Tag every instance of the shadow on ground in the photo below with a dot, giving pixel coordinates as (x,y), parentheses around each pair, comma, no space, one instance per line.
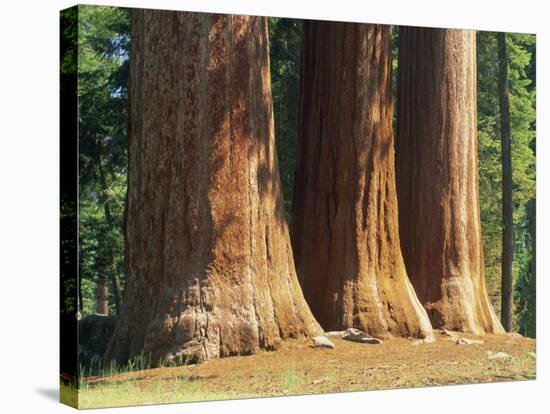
(51,394)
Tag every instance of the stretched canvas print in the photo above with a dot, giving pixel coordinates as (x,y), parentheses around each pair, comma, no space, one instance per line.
(258,206)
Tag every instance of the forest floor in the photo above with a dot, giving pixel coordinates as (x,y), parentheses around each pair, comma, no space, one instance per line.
(297,368)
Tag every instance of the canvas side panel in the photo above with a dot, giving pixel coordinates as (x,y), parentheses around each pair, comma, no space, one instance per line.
(68,206)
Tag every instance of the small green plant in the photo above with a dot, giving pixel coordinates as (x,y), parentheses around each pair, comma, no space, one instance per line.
(290,378)
(429,381)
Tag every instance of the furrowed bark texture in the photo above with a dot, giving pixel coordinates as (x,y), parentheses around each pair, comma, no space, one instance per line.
(345,234)
(210,267)
(437,177)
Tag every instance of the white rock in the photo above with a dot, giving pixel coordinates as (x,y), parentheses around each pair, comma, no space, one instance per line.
(322,341)
(355,335)
(502,356)
(466,341)
(429,339)
(446,332)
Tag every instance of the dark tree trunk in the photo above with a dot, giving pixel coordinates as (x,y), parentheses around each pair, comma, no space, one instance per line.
(437,177)
(345,234)
(80,298)
(117,291)
(210,267)
(507,203)
(102,295)
(111,266)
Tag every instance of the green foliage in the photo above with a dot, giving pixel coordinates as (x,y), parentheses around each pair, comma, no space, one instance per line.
(69,40)
(101,244)
(285,41)
(522,117)
(103,36)
(525,287)
(103,66)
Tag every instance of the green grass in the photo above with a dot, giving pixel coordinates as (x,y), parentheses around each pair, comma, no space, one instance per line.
(98,368)
(429,381)
(90,394)
(68,394)
(171,390)
(140,392)
(289,380)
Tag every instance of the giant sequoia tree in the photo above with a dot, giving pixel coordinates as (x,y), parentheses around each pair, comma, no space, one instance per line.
(437,182)
(209,264)
(345,234)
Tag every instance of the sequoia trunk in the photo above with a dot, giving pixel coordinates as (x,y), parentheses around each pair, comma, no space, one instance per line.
(210,267)
(437,177)
(345,234)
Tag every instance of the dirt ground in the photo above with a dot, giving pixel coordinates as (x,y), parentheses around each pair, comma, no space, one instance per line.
(298,368)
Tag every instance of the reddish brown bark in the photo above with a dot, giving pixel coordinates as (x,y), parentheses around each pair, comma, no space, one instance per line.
(210,267)
(437,177)
(345,233)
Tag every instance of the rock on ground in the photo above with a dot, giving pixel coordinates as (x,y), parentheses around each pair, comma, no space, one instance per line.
(322,342)
(428,340)
(498,355)
(446,332)
(355,335)
(466,341)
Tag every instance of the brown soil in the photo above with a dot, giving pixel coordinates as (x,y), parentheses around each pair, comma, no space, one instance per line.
(297,368)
